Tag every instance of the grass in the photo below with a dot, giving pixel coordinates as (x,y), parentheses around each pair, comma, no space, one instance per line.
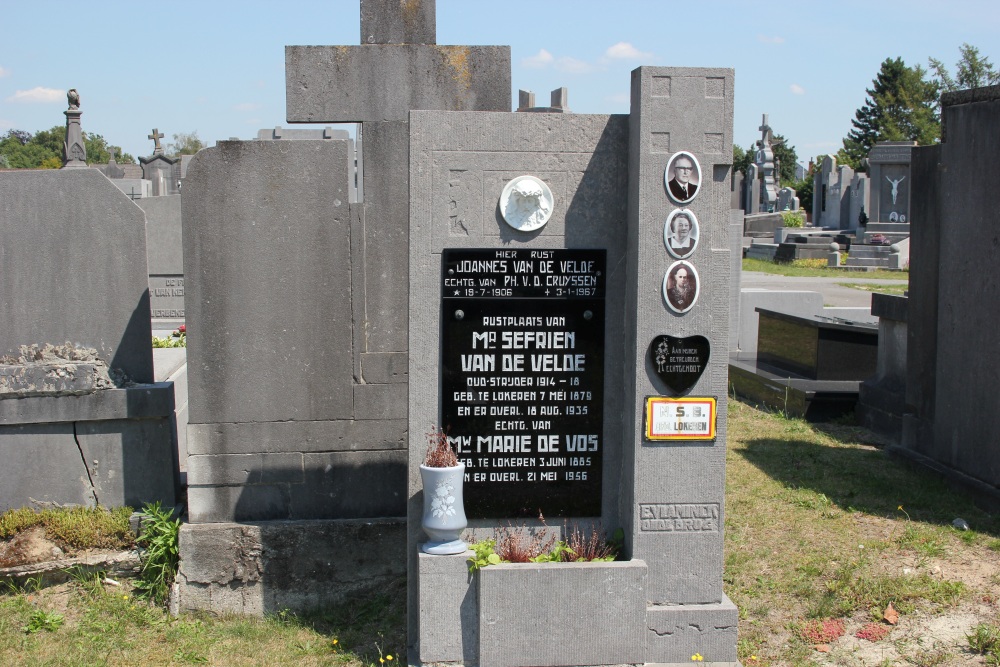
(88,622)
(820,524)
(822,528)
(875,287)
(76,527)
(816,268)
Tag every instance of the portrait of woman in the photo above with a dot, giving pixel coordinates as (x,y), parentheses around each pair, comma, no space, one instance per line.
(680,286)
(680,233)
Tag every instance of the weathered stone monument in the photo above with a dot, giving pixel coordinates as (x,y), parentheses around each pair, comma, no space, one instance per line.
(298,376)
(571,444)
(767,171)
(75,310)
(831,195)
(952,370)
(163,172)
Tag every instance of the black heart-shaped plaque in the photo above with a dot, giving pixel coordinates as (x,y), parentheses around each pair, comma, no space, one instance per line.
(679,362)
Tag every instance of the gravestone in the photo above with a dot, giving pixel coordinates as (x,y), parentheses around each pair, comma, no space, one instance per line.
(831,195)
(165,255)
(297,377)
(889,170)
(162,172)
(949,420)
(751,201)
(72,430)
(859,200)
(787,201)
(546,343)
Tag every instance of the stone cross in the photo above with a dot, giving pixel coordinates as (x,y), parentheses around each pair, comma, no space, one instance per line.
(398,67)
(156,136)
(111,154)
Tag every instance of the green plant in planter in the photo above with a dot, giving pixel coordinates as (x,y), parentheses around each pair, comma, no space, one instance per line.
(517,545)
(793,218)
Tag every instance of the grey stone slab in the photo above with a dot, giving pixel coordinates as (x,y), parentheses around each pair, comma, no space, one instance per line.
(267,229)
(890,307)
(297,134)
(394,22)
(164,246)
(52,379)
(579,613)
(384,368)
(111,463)
(694,105)
(214,504)
(167,361)
(951,371)
(385,237)
(74,267)
(333,84)
(250,437)
(676,632)
(141,401)
(380,401)
(449,609)
(131,462)
(351,485)
(296,565)
(326,485)
(42,463)
(241,469)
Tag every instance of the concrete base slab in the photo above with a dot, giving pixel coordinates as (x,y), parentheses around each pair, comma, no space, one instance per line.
(563,614)
(676,632)
(258,568)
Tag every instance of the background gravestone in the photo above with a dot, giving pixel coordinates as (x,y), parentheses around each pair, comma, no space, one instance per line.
(67,293)
(889,172)
(951,335)
(165,255)
(74,270)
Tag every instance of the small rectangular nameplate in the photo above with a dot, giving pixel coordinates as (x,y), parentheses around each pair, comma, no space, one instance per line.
(687,418)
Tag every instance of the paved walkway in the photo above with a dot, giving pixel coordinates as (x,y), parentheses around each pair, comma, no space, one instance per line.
(833,294)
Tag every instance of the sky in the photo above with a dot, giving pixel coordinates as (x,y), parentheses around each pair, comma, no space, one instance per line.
(216,67)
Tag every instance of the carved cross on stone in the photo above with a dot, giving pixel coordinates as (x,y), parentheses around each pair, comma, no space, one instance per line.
(156,136)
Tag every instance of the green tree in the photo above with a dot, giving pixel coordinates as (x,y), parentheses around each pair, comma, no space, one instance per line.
(972,71)
(99,151)
(742,159)
(44,149)
(901,106)
(184,143)
(785,154)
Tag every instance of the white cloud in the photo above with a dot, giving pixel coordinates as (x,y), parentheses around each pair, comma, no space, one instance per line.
(542,59)
(573,66)
(38,94)
(246,106)
(797,89)
(624,50)
(770,40)
(4,72)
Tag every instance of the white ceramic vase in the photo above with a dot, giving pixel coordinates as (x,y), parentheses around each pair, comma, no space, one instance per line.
(444,509)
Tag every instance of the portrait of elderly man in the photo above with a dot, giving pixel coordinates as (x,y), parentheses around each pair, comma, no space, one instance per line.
(684,177)
(681,286)
(681,233)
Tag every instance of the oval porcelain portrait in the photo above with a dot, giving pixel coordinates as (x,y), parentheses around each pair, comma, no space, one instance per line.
(682,177)
(680,233)
(526,203)
(681,286)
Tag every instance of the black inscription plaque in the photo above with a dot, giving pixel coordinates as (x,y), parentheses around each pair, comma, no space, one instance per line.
(522,378)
